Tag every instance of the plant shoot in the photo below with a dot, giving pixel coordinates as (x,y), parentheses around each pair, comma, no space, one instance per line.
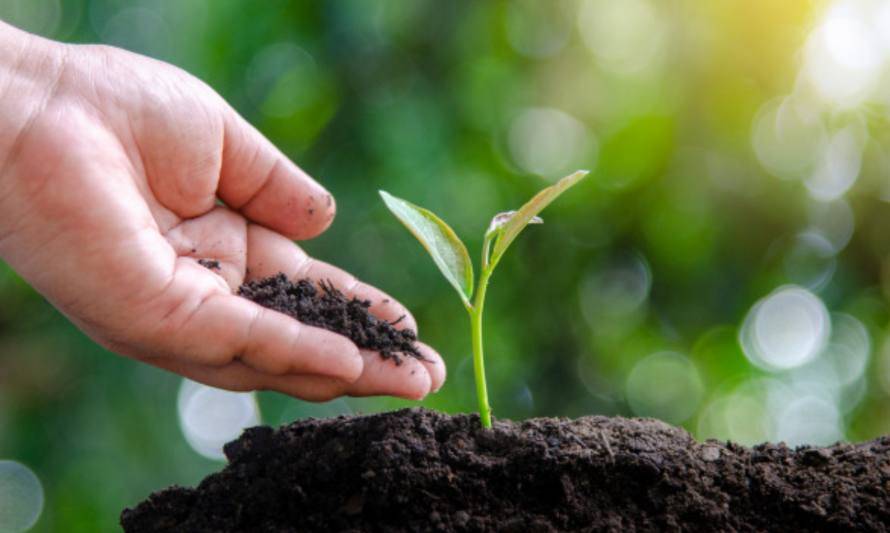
(450,255)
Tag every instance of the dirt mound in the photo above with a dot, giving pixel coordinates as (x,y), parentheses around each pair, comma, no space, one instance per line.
(418,470)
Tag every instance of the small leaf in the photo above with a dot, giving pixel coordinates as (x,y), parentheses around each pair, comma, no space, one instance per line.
(527,213)
(440,241)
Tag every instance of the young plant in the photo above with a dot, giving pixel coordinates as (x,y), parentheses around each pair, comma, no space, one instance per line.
(450,255)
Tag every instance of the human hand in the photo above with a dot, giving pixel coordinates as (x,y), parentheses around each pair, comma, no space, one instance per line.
(111,168)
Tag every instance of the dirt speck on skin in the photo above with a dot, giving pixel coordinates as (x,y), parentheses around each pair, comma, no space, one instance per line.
(418,470)
(330,309)
(211,264)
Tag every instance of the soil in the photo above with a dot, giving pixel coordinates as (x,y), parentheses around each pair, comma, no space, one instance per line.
(210,264)
(418,470)
(330,309)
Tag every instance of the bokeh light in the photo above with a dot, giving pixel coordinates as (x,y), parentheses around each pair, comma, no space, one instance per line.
(613,295)
(21,497)
(745,414)
(664,385)
(812,420)
(627,37)
(210,417)
(842,57)
(785,329)
(788,135)
(548,142)
(833,221)
(849,349)
(838,165)
(281,79)
(808,399)
(537,29)
(811,261)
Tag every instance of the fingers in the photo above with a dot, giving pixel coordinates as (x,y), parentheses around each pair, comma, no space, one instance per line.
(258,180)
(269,253)
(380,377)
(203,323)
(409,380)
(434,365)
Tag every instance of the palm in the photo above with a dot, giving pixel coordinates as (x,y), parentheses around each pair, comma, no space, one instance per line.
(122,200)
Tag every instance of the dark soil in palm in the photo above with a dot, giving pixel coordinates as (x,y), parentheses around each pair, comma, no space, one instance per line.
(417,470)
(330,309)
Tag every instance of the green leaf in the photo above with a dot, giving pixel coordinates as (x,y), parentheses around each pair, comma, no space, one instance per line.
(440,241)
(509,230)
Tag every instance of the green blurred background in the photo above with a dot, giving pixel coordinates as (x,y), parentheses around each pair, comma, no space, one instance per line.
(724,268)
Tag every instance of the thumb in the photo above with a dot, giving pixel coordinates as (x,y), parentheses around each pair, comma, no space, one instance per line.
(266,187)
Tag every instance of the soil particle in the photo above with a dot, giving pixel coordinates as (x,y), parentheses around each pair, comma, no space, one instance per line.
(330,309)
(211,264)
(710,453)
(418,470)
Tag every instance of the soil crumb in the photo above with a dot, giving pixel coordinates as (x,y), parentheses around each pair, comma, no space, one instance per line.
(211,264)
(330,309)
(419,470)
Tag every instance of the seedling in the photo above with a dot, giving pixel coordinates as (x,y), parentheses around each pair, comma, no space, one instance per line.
(450,255)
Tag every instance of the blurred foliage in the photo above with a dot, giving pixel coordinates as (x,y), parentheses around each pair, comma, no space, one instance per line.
(640,280)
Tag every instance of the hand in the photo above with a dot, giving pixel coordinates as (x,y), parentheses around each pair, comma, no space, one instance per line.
(111,168)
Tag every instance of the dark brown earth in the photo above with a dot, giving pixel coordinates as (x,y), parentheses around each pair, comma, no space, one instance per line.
(418,470)
(210,264)
(330,309)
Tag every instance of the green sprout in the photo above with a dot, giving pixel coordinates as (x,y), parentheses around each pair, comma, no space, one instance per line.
(450,255)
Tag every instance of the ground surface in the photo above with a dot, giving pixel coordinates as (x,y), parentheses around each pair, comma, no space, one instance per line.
(328,308)
(418,470)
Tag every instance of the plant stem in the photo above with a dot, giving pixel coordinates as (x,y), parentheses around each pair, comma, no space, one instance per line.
(478,359)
